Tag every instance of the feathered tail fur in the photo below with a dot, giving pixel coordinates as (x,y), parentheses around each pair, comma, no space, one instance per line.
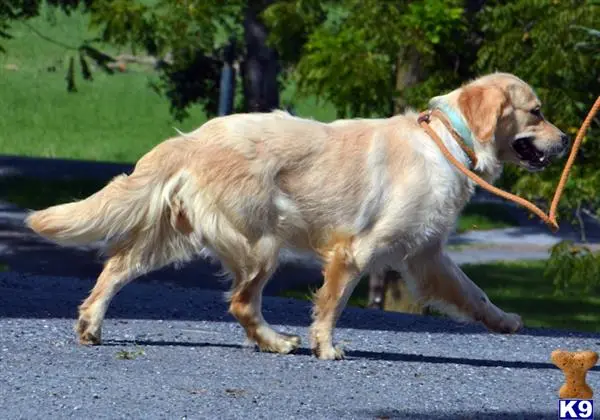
(124,205)
(159,218)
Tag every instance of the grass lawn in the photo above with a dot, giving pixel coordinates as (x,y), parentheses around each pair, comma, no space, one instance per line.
(484,216)
(112,118)
(517,287)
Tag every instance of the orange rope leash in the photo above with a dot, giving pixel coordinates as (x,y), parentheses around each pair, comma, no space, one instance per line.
(549,219)
(563,178)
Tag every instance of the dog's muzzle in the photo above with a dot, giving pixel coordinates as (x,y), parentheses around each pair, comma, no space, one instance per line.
(535,158)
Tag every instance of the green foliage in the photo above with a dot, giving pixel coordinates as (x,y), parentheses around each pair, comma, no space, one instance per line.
(432,20)
(192,32)
(290,23)
(347,52)
(163,25)
(573,269)
(18,10)
(543,42)
(324,71)
(115,118)
(554,45)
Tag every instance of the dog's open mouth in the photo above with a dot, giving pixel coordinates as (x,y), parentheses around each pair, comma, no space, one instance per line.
(529,154)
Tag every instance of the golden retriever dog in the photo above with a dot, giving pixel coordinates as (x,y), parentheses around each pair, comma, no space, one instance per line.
(364,195)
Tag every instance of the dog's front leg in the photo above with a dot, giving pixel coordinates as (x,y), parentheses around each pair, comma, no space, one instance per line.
(439,282)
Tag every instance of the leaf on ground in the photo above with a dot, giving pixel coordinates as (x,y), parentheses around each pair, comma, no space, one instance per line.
(129,355)
(233,392)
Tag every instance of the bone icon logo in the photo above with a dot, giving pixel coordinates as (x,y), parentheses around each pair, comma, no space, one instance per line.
(575,393)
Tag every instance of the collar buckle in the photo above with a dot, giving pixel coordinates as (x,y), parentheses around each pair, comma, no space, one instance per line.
(425,118)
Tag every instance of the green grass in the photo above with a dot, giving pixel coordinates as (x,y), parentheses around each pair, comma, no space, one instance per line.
(516,287)
(113,118)
(521,287)
(484,216)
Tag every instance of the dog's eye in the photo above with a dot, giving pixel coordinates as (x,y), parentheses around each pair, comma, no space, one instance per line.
(537,111)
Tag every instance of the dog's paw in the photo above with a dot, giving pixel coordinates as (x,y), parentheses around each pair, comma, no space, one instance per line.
(283,344)
(87,335)
(509,324)
(88,339)
(289,343)
(328,353)
(513,323)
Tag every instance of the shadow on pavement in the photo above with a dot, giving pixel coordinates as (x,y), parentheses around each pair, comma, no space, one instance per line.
(443,415)
(399,357)
(53,168)
(38,297)
(358,354)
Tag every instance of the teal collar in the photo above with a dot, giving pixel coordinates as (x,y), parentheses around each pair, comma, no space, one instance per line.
(456,119)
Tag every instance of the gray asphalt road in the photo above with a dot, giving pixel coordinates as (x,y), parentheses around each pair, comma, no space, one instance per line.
(187,361)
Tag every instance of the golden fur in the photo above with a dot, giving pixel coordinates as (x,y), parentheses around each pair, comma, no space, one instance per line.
(363,194)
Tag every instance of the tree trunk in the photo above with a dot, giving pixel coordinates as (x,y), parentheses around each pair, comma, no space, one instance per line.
(227,83)
(408,74)
(261,66)
(474,6)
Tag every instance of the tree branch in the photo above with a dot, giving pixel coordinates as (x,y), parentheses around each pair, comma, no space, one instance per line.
(590,214)
(580,221)
(47,38)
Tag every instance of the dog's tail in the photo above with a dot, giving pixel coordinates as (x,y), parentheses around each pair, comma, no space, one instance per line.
(127,203)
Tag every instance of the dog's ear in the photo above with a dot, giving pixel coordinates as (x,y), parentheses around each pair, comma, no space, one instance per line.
(482,106)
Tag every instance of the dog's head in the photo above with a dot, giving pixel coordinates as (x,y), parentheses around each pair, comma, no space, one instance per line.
(504,112)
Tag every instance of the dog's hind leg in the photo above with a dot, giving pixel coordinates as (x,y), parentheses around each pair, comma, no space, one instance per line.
(130,258)
(246,300)
(115,275)
(341,276)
